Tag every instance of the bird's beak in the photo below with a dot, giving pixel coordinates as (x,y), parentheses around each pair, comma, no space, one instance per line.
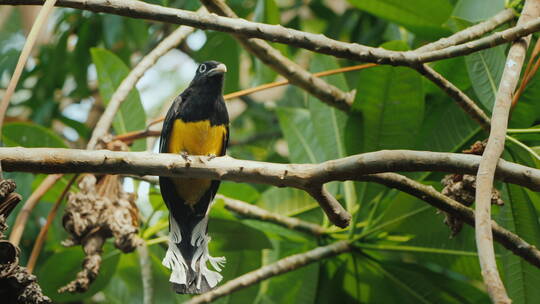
(220,69)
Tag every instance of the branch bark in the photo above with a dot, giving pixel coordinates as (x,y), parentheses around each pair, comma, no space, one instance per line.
(277,33)
(470,33)
(57,160)
(284,265)
(286,67)
(251,211)
(492,153)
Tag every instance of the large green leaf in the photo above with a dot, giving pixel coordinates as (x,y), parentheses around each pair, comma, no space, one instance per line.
(30,135)
(330,123)
(424,17)
(485,70)
(225,236)
(62,267)
(477,10)
(297,286)
(131,116)
(406,216)
(446,128)
(392,101)
(301,136)
(521,217)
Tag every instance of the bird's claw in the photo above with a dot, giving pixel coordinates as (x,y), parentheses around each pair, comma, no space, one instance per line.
(210,157)
(185,156)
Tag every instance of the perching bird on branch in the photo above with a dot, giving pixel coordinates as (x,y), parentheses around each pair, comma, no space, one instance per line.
(196,124)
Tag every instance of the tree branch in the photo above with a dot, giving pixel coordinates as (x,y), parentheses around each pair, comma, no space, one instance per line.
(428,194)
(467,104)
(492,153)
(277,33)
(286,67)
(470,33)
(251,211)
(284,265)
(57,160)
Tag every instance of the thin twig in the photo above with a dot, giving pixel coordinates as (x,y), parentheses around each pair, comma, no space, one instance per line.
(492,153)
(284,265)
(277,33)
(289,69)
(38,244)
(251,211)
(31,202)
(470,33)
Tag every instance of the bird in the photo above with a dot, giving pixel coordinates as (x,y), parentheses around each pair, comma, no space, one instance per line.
(197,123)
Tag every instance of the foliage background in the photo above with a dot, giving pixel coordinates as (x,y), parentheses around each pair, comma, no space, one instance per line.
(403,253)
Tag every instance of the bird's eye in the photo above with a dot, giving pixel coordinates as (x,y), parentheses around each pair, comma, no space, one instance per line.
(202,68)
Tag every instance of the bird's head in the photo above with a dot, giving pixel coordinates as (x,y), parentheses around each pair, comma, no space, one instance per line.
(209,71)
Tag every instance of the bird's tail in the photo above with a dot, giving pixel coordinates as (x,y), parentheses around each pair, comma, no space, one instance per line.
(187,258)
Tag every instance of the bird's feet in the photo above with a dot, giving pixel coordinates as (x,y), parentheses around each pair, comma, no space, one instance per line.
(185,156)
(210,157)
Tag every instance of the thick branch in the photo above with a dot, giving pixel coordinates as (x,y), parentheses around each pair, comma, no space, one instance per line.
(254,212)
(54,160)
(284,265)
(492,153)
(277,33)
(428,194)
(286,67)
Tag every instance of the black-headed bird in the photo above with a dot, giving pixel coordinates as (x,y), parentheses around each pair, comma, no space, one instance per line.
(196,124)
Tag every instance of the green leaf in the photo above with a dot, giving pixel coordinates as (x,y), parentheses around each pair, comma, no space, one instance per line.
(330,123)
(485,70)
(286,201)
(300,135)
(131,116)
(297,286)
(446,128)
(231,235)
(392,102)
(243,192)
(424,17)
(477,10)
(239,263)
(521,217)
(30,135)
(62,267)
(404,215)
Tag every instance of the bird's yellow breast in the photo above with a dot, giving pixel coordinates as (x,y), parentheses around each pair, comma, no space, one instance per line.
(195,138)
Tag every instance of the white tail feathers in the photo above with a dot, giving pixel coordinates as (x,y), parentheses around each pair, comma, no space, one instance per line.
(177,264)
